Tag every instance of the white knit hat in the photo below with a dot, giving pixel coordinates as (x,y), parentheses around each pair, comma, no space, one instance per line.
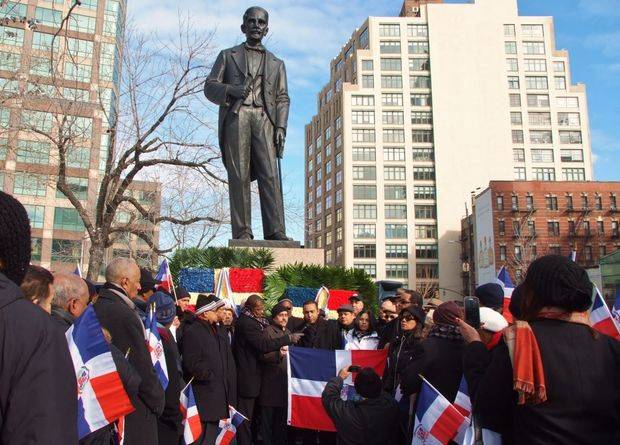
(493,321)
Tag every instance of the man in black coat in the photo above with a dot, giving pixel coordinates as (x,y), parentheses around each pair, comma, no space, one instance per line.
(373,420)
(250,342)
(38,389)
(70,299)
(116,312)
(319,333)
(208,360)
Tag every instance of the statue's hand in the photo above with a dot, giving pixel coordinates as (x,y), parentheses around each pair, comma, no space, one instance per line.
(280,138)
(238,92)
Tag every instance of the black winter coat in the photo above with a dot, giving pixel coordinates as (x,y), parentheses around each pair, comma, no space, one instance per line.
(389,332)
(249,343)
(62,318)
(274,387)
(401,353)
(581,377)
(127,332)
(208,358)
(169,423)
(440,361)
(364,422)
(38,390)
(324,334)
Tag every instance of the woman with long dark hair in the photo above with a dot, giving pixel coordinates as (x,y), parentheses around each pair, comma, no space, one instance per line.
(363,336)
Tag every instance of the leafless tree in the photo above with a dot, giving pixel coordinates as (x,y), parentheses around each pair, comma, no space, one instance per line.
(525,249)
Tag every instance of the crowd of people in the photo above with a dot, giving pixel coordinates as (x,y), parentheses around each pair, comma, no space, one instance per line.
(548,377)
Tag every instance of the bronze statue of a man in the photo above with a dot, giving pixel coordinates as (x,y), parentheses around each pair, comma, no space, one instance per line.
(249,84)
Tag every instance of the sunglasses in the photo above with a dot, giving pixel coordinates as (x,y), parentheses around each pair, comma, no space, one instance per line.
(408,318)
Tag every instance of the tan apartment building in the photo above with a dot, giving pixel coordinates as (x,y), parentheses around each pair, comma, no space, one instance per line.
(64,87)
(421,110)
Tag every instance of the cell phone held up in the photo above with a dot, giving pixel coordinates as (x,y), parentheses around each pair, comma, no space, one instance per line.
(472,311)
(355,368)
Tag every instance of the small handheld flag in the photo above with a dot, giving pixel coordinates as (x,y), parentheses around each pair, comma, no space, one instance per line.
(192,428)
(615,312)
(156,347)
(227,428)
(601,317)
(164,276)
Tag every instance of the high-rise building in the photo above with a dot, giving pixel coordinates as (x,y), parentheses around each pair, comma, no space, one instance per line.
(420,111)
(59,84)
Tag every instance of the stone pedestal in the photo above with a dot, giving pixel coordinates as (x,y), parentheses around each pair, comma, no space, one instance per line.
(284,252)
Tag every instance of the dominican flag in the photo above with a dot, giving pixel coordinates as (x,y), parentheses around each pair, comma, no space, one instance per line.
(227,428)
(164,276)
(309,370)
(615,312)
(601,317)
(462,402)
(156,347)
(101,396)
(504,280)
(192,428)
(437,421)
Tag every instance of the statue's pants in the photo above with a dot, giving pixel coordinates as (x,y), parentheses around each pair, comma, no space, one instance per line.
(249,151)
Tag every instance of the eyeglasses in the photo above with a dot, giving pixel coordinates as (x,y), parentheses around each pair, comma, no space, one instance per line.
(408,318)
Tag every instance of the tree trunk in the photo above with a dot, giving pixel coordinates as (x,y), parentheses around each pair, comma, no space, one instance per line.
(95,260)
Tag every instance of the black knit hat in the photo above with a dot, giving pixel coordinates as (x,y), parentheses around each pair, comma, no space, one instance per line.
(206,303)
(368,383)
(14,238)
(416,312)
(490,295)
(555,280)
(277,309)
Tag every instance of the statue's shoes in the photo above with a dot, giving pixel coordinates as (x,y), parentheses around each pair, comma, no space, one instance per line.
(278,237)
(246,236)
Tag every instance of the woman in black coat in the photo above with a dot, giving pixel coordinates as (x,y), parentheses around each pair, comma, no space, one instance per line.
(565,387)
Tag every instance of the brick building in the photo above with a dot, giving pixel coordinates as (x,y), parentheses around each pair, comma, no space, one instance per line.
(513,222)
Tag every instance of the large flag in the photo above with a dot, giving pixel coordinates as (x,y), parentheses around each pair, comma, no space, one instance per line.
(601,317)
(308,373)
(504,280)
(156,347)
(615,312)
(227,429)
(437,421)
(164,276)
(192,428)
(223,290)
(101,396)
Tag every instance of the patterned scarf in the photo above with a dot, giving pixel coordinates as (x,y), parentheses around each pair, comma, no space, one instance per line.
(527,366)
(448,331)
(261,320)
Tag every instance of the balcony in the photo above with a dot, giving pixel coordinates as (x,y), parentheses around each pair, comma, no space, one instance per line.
(615,233)
(613,208)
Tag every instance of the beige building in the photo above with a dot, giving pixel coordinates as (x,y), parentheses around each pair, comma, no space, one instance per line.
(421,110)
(71,95)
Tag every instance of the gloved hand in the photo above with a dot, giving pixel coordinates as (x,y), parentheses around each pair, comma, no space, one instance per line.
(296,337)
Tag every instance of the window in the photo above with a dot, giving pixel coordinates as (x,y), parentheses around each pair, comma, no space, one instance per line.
(29,184)
(567,102)
(67,219)
(423,154)
(539,155)
(36,247)
(571,155)
(339,177)
(535,65)
(517,136)
(364,231)
(531,227)
(510,47)
(539,118)
(518,155)
(425,212)
(33,152)
(570,137)
(79,47)
(421,117)
(391,99)
(509,30)
(389,30)
(368,81)
(536,82)
(391,64)
(419,64)
(427,271)
(587,253)
(598,202)
(76,94)
(391,135)
(364,251)
(553,228)
(370,269)
(532,30)
(40,66)
(338,141)
(499,202)
(363,39)
(396,271)
(512,64)
(363,117)
(600,227)
(417,47)
(417,30)
(544,173)
(389,47)
(396,251)
(502,253)
(79,187)
(424,173)
(395,211)
(429,251)
(396,231)
(515,100)
(363,101)
(513,82)
(391,81)
(501,227)
(540,137)
(364,192)
(36,215)
(534,47)
(9,61)
(77,71)
(422,136)
(424,192)
(363,135)
(554,250)
(363,153)
(518,253)
(421,100)
(364,211)
(364,172)
(552,202)
(538,100)
(48,17)
(569,120)
(394,154)
(515,118)
(82,23)
(419,82)
(367,65)
(519,173)
(66,251)
(514,202)
(602,250)
(558,66)
(560,82)
(573,174)
(11,36)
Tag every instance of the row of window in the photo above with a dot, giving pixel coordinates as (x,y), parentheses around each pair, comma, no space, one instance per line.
(552,202)
(529,47)
(391,100)
(401,271)
(539,155)
(392,173)
(565,119)
(532,251)
(75,126)
(394,231)
(548,174)
(393,211)
(391,135)
(362,117)
(393,192)
(528,228)
(64,218)
(393,30)
(392,154)
(423,251)
(394,47)
(396,64)
(545,137)
(542,101)
(536,82)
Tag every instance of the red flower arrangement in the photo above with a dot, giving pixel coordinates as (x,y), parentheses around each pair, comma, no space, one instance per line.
(246,280)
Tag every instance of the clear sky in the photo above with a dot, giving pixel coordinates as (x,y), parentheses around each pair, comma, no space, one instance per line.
(307,34)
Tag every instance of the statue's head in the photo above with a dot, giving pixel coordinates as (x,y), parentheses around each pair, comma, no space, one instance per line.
(255,24)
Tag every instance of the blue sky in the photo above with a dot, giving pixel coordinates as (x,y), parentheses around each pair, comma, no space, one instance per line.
(307,34)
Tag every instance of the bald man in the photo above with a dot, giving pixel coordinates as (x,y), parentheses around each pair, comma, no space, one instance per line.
(70,299)
(117,313)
